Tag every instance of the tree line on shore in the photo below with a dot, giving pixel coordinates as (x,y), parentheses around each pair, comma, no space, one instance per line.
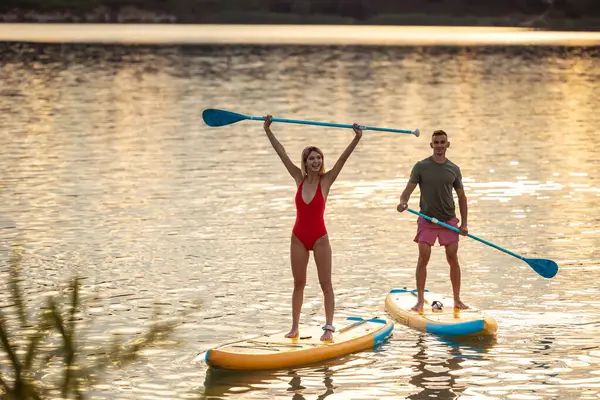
(358,10)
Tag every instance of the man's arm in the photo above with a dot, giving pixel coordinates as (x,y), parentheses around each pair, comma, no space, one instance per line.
(464,210)
(405,196)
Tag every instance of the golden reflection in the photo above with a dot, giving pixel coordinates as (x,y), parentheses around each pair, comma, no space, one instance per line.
(297,388)
(470,82)
(35,108)
(436,373)
(349,376)
(434,378)
(127,154)
(342,90)
(221,383)
(224,383)
(289,34)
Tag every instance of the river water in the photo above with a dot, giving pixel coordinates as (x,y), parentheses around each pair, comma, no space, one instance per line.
(110,174)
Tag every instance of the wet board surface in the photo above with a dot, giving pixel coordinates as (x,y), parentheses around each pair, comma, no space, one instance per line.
(276,351)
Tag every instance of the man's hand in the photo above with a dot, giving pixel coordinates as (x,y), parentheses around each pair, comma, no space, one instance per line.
(268,121)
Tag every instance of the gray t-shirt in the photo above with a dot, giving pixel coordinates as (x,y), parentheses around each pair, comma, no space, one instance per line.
(436,181)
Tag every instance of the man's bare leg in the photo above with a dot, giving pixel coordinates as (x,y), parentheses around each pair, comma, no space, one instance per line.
(421,275)
(455,276)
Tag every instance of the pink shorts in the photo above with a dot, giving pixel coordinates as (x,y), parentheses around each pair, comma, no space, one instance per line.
(428,232)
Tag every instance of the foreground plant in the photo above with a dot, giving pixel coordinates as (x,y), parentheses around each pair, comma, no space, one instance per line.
(35,348)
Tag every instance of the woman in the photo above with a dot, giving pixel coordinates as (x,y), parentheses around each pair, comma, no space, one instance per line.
(309,232)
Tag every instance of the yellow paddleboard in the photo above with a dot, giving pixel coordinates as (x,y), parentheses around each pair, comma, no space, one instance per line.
(276,351)
(448,321)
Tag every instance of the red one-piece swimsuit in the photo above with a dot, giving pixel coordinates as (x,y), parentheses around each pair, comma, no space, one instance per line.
(310,224)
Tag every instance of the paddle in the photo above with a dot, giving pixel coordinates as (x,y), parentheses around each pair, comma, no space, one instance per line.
(359,321)
(214,117)
(546,268)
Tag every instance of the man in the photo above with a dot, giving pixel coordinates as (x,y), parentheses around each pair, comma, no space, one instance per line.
(436,177)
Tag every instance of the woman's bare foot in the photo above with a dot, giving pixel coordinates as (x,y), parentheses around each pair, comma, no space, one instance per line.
(327,335)
(460,305)
(418,307)
(293,333)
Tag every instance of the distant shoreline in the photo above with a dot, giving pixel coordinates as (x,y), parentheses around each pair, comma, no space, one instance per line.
(134,15)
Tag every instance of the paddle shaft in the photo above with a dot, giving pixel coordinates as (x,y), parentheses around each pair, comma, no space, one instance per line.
(334,125)
(435,221)
(353,325)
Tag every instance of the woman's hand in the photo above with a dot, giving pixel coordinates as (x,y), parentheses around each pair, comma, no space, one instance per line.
(357,131)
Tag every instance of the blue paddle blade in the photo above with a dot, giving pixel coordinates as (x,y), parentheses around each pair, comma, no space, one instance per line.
(214,117)
(546,268)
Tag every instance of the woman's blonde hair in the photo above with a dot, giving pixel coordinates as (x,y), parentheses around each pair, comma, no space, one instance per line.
(305,153)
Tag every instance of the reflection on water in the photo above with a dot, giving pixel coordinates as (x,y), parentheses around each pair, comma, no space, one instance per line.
(219,383)
(436,373)
(431,367)
(292,35)
(110,173)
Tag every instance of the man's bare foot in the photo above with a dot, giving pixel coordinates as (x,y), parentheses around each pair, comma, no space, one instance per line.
(460,305)
(327,335)
(418,307)
(293,333)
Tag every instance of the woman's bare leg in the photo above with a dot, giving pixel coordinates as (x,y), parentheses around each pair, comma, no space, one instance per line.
(299,261)
(322,254)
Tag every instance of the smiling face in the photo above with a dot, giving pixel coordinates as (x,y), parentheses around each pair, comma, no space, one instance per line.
(439,143)
(313,161)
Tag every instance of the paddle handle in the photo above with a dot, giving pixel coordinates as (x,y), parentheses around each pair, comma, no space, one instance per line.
(334,125)
(435,221)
